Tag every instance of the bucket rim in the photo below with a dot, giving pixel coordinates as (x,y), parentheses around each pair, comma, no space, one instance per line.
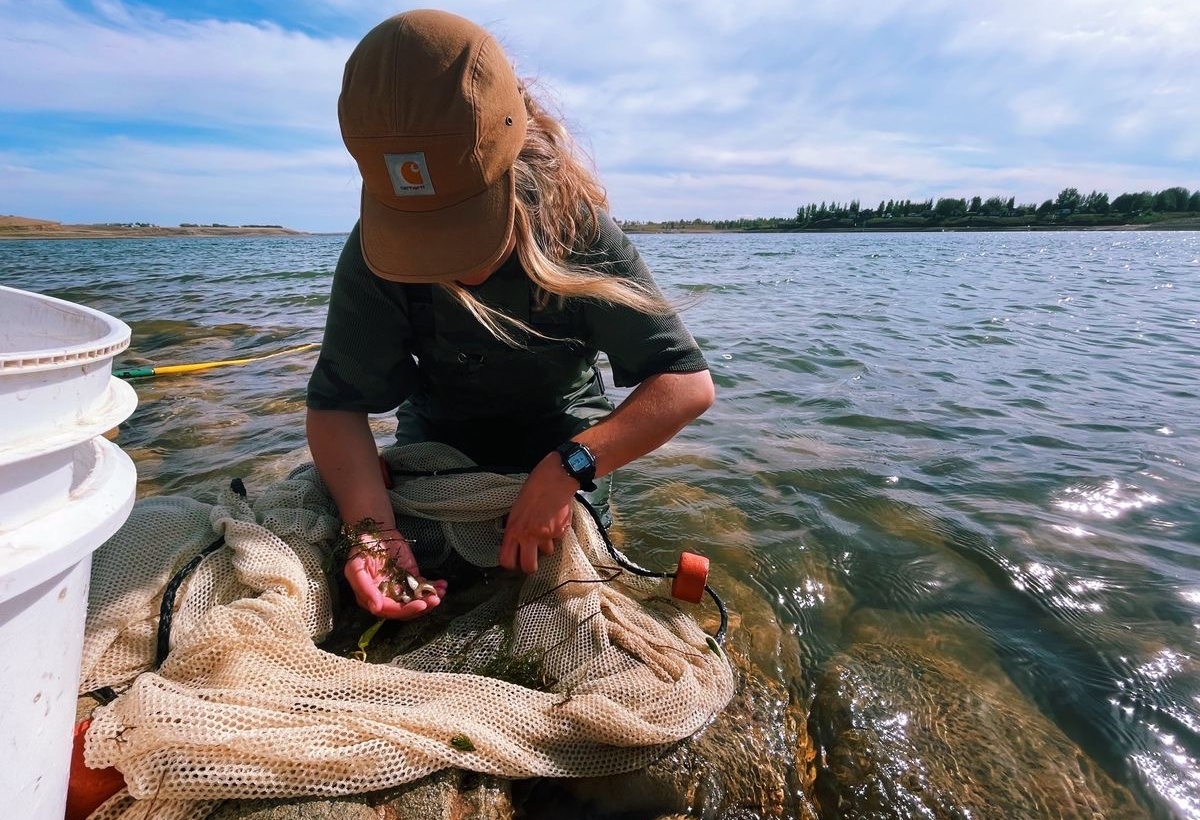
(114,341)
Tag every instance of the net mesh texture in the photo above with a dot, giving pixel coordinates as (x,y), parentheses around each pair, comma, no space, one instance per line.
(584,669)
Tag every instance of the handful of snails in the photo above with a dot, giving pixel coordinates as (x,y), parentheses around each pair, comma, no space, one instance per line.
(368,538)
(403,587)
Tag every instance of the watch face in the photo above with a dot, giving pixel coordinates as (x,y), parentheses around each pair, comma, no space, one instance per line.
(579,461)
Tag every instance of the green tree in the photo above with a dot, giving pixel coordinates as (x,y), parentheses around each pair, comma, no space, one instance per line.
(1068,199)
(1172,199)
(950,207)
(1133,203)
(994,206)
(1096,203)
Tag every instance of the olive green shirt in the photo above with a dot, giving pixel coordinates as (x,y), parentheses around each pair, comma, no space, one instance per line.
(387,343)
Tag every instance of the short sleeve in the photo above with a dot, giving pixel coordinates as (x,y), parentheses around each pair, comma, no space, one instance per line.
(638,345)
(365,362)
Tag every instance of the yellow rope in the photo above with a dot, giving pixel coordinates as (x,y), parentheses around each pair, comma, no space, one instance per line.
(170,369)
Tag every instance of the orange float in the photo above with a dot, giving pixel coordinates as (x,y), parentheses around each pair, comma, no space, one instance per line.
(690,578)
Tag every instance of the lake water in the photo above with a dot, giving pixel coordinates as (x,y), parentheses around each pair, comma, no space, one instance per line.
(1000,427)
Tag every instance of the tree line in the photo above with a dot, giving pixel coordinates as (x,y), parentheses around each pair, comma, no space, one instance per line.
(1069,209)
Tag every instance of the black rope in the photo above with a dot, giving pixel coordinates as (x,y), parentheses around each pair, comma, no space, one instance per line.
(166,610)
(498,470)
(625,563)
(105,694)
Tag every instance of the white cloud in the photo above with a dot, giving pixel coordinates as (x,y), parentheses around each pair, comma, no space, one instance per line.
(1086,32)
(203,74)
(1042,112)
(1121,75)
(703,108)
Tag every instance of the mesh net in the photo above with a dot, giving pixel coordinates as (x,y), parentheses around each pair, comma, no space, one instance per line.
(584,669)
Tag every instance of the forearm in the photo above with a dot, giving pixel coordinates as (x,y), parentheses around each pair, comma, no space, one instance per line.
(347,459)
(650,416)
(654,412)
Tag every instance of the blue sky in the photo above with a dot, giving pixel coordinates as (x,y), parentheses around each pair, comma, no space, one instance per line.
(211,111)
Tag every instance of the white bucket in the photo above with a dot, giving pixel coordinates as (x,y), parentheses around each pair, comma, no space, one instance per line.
(64,489)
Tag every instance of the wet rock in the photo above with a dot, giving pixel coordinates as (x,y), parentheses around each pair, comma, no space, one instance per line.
(307,809)
(445,795)
(754,761)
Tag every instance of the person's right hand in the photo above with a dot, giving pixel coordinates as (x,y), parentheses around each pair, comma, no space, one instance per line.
(373,567)
(539,517)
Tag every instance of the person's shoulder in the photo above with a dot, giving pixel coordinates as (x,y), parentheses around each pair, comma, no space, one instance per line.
(606,226)
(605,239)
(351,257)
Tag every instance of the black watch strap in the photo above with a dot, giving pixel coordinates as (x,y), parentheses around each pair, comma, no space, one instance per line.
(579,463)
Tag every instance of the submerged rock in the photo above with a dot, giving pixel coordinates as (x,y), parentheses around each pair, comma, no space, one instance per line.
(913,717)
(909,729)
(754,761)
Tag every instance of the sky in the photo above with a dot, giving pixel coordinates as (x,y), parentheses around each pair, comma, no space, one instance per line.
(208,111)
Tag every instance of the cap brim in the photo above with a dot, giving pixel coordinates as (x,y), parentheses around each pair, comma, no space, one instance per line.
(459,242)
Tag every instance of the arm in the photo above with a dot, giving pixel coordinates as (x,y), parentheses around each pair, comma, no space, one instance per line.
(343,449)
(650,416)
(364,366)
(344,452)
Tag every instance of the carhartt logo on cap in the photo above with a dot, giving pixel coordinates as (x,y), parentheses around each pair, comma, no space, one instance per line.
(409,173)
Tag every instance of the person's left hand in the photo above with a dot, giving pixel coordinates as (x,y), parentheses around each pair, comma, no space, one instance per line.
(539,516)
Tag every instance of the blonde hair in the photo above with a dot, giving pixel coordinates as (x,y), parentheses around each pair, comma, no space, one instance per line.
(557,218)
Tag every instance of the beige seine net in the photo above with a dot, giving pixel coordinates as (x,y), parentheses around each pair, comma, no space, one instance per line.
(585,670)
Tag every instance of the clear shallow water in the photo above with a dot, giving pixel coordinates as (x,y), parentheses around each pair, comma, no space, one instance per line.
(999,427)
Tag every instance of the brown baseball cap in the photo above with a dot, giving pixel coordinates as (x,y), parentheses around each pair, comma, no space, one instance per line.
(432,112)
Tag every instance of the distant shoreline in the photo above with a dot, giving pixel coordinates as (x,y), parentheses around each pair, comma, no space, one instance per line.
(17,227)
(1165,225)
(22,228)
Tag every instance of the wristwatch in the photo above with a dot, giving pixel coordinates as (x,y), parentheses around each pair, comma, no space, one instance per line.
(579,463)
